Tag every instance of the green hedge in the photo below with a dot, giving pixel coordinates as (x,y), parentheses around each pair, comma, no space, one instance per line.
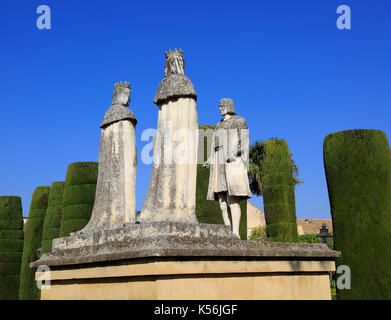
(79,196)
(51,226)
(358,171)
(209,211)
(12,234)
(258,233)
(308,238)
(282,232)
(278,192)
(11,246)
(33,236)
(11,257)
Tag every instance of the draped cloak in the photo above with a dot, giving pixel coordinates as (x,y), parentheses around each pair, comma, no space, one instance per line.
(172,188)
(115,203)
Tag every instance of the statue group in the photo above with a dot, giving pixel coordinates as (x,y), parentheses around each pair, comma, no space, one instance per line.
(172,189)
(164,252)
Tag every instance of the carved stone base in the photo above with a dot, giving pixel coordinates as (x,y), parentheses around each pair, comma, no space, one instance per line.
(167,240)
(184,261)
(142,231)
(193,278)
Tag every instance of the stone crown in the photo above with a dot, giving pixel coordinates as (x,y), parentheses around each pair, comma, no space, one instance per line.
(122,85)
(174,52)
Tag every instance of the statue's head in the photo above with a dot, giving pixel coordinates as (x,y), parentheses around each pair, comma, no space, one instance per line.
(226,106)
(121,93)
(174,62)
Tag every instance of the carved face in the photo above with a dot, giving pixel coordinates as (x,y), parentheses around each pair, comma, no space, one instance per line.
(222,109)
(226,105)
(174,65)
(121,96)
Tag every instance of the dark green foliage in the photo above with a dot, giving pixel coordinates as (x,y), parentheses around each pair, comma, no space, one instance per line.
(206,211)
(81,173)
(308,238)
(11,246)
(255,170)
(33,236)
(10,207)
(282,232)
(51,226)
(358,171)
(333,292)
(79,196)
(278,192)
(209,211)
(12,234)
(276,212)
(13,257)
(258,233)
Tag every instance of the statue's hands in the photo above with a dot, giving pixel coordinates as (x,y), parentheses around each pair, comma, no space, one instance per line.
(206,165)
(231,159)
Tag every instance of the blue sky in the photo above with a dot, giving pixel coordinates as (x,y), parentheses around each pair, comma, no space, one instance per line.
(290,71)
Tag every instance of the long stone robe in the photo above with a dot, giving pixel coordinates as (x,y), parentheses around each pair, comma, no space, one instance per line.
(115,203)
(172,188)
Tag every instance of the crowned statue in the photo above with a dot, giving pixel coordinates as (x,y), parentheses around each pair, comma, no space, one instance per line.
(172,189)
(115,203)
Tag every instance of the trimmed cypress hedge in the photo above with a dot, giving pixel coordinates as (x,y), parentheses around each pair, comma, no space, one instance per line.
(79,196)
(358,172)
(33,236)
(51,226)
(209,211)
(11,246)
(279,193)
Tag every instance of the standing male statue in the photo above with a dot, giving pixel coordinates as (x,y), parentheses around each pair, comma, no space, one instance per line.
(228,180)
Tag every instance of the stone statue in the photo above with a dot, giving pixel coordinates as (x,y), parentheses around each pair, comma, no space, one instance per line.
(171,193)
(228,180)
(115,203)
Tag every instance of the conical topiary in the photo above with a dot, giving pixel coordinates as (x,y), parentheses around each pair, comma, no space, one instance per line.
(11,246)
(33,236)
(209,211)
(358,172)
(51,226)
(79,196)
(278,192)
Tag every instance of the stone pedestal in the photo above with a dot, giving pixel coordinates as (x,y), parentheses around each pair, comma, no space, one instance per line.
(181,279)
(184,261)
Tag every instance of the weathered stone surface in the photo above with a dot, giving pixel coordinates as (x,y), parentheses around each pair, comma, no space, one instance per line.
(115,200)
(228,179)
(194,278)
(118,112)
(142,231)
(189,241)
(172,188)
(173,87)
(175,84)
